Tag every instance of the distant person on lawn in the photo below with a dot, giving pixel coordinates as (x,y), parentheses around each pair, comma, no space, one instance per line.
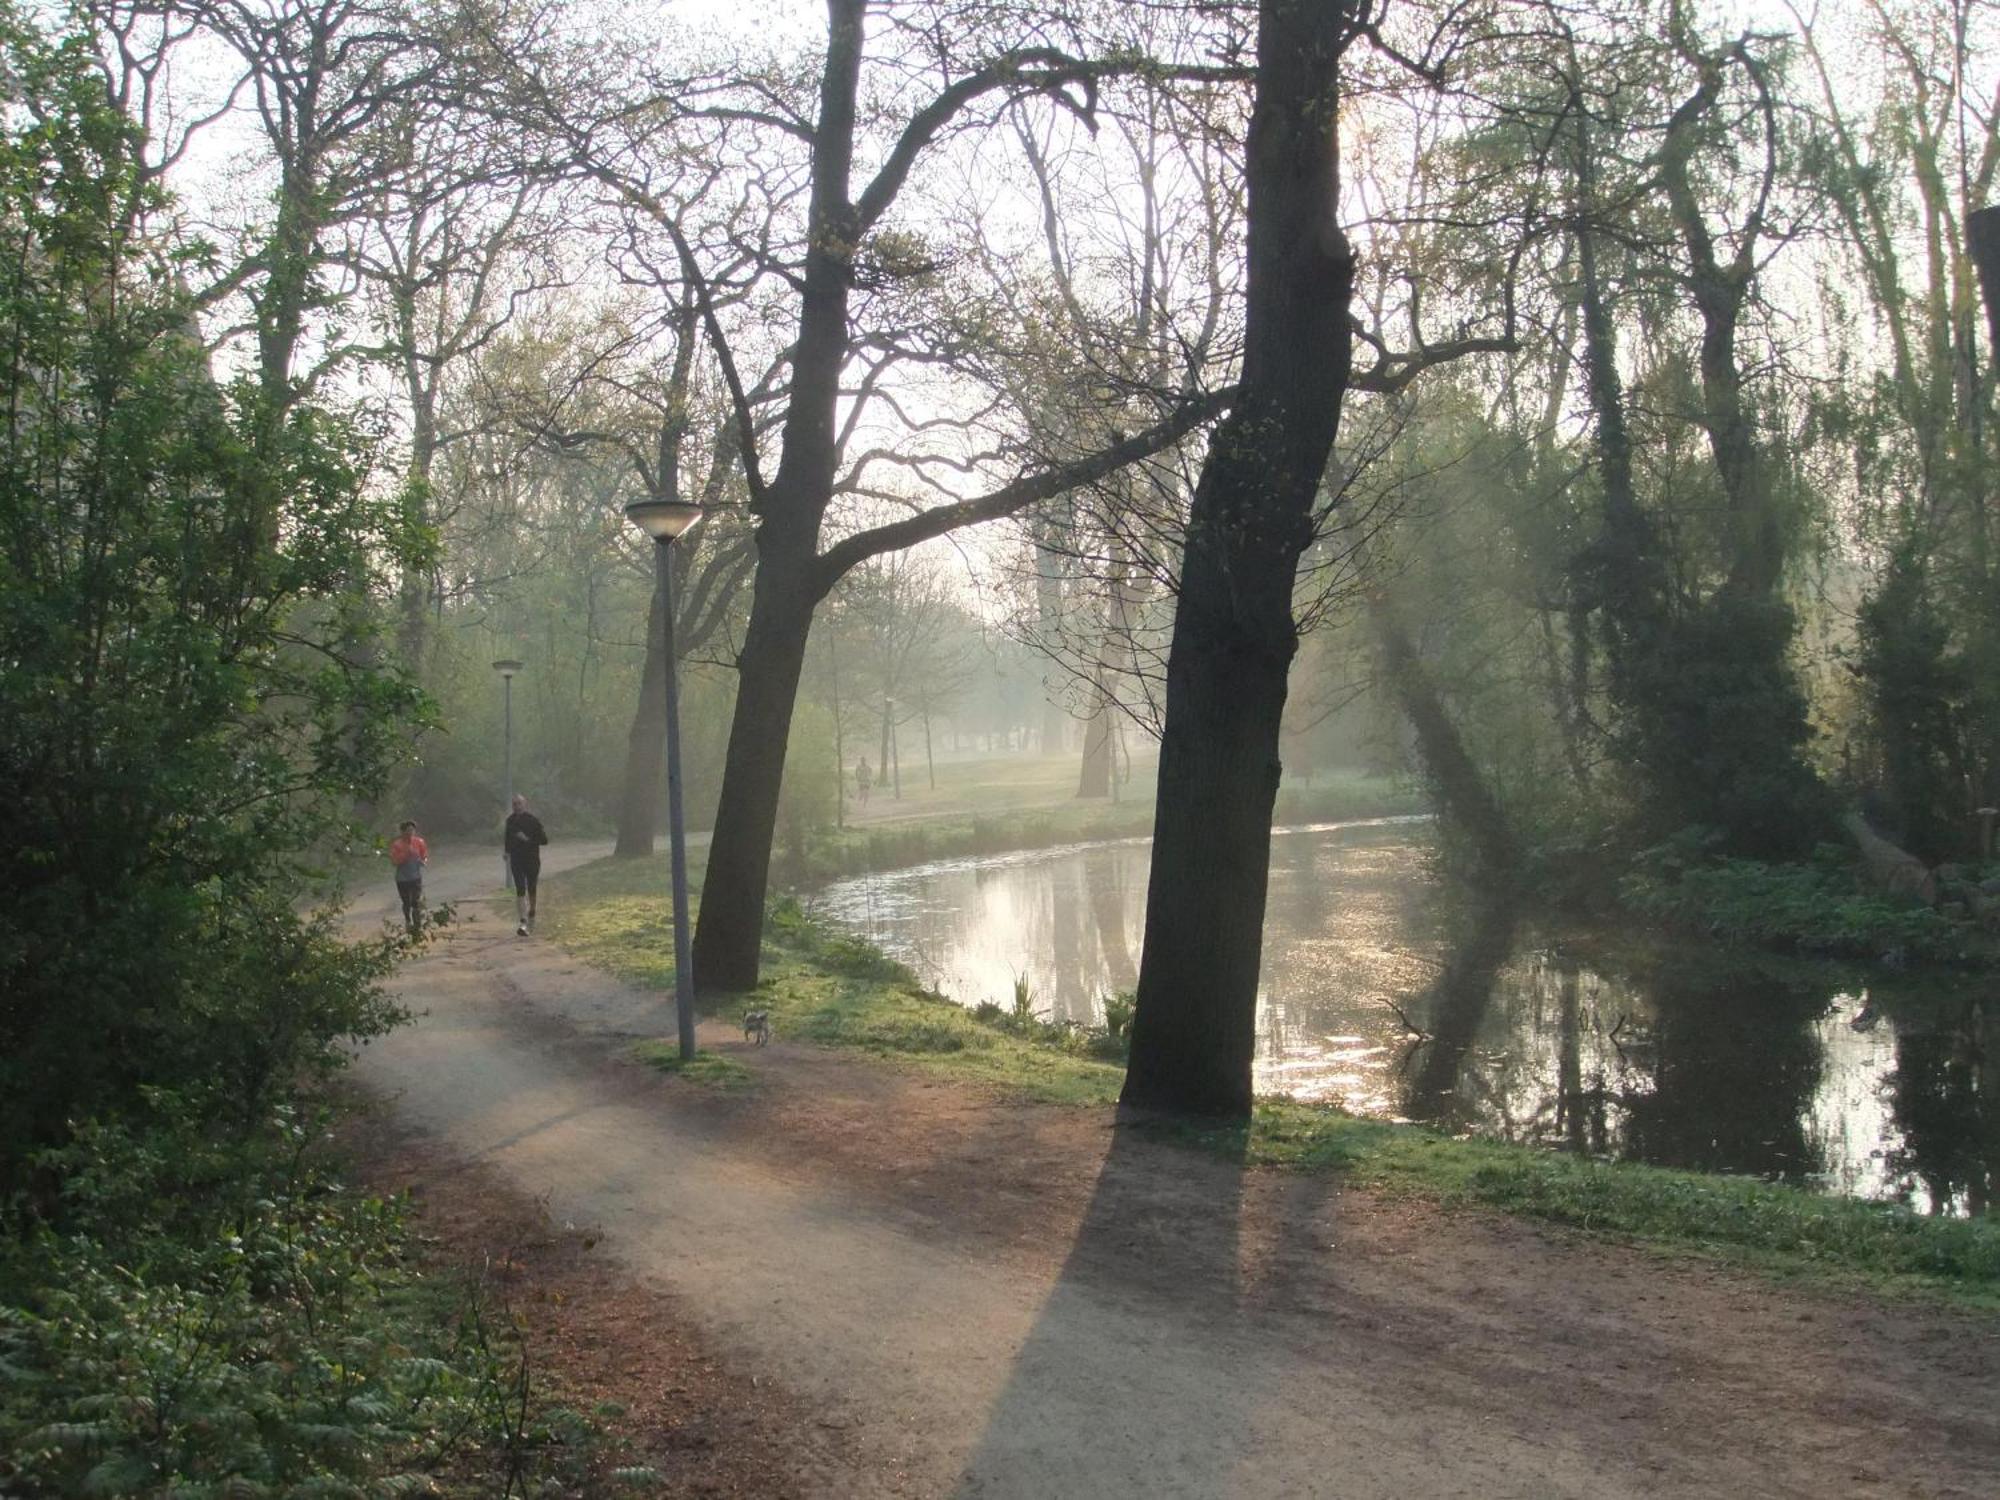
(863,781)
(409,854)
(524,838)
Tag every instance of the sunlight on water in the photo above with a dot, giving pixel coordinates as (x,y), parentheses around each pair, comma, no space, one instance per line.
(1382,994)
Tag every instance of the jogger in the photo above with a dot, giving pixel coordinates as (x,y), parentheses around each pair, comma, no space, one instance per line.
(523,839)
(409,854)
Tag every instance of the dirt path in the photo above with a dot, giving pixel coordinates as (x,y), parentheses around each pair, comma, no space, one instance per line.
(461,872)
(993,1299)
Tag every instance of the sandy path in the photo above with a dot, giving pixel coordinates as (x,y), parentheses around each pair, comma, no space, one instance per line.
(460,872)
(1004,1300)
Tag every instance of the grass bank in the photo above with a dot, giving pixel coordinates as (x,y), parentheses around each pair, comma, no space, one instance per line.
(863,847)
(833,990)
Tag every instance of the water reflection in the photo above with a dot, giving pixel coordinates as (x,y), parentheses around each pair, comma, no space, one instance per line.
(1385,993)
(1945,1099)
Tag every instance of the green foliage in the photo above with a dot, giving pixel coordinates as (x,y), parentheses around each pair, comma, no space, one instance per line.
(1118,1012)
(1917,690)
(222,1321)
(1819,907)
(183,697)
(1715,723)
(1024,1000)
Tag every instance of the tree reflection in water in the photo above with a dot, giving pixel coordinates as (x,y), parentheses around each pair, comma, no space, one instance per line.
(1945,1096)
(1452,1011)
(1595,1042)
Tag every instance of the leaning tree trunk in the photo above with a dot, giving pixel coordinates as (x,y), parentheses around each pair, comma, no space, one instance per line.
(1462,791)
(1234,636)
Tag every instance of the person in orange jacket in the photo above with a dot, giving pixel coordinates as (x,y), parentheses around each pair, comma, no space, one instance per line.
(409,854)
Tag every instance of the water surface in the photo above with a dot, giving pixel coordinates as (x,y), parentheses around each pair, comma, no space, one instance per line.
(1384,991)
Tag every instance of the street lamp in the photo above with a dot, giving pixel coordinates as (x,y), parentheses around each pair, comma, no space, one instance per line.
(665,521)
(894,769)
(507,667)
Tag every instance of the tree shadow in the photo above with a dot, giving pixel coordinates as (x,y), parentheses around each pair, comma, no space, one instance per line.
(1121,1372)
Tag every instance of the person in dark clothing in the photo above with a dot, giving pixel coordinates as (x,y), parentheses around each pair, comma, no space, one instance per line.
(523,838)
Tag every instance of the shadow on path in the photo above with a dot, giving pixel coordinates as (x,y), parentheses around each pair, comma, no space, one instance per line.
(1156,1267)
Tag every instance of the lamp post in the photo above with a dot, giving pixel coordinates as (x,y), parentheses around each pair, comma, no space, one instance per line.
(507,667)
(665,521)
(894,768)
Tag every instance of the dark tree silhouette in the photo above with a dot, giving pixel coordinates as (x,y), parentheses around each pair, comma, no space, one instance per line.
(1234,632)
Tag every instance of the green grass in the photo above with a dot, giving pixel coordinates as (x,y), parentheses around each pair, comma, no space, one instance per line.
(710,1068)
(819,986)
(1785,1230)
(990,783)
(833,990)
(1013,823)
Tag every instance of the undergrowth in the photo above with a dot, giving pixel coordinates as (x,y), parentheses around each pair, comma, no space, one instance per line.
(1814,907)
(228,1319)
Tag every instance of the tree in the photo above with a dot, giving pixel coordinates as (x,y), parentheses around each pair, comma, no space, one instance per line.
(444,246)
(850,264)
(900,619)
(177,721)
(1234,635)
(1907,147)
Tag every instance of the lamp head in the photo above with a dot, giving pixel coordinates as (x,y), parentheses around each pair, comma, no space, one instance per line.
(661,519)
(507,667)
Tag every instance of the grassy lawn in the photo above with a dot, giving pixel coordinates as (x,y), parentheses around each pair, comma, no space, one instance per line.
(989,784)
(824,987)
(993,812)
(819,986)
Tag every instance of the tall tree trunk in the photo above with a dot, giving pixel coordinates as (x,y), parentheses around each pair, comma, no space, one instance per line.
(729,933)
(1095,778)
(792,575)
(1982,232)
(645,746)
(420,385)
(1234,635)
(1720,290)
(1099,777)
(1048,615)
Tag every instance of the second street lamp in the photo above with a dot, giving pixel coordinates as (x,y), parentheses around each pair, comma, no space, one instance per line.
(665,521)
(507,667)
